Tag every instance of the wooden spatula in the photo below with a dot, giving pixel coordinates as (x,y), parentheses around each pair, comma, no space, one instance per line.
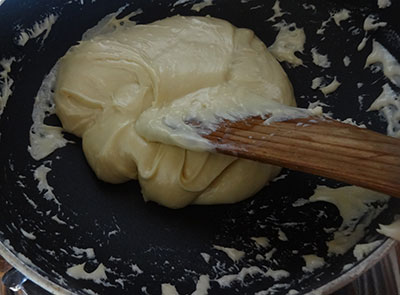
(319,146)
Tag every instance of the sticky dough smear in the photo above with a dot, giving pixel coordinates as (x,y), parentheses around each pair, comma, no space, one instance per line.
(107,81)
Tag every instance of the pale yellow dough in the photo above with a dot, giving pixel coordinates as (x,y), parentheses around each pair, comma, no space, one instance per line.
(106,82)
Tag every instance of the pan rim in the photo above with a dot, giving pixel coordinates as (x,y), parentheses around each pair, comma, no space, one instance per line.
(31,274)
(359,269)
(332,286)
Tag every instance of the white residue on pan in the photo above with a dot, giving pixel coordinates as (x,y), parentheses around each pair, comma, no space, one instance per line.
(370,23)
(390,66)
(321,30)
(276,275)
(354,31)
(313,262)
(8,245)
(113,232)
(5,81)
(388,103)
(45,139)
(40,174)
(78,272)
(277,11)
(115,259)
(202,285)
(259,257)
(168,289)
(83,253)
(25,260)
(195,6)
(38,28)
(108,23)
(20,184)
(282,236)
(112,22)
(358,208)
(90,291)
(319,59)
(180,2)
(278,288)
(232,253)
(121,282)
(384,3)
(317,82)
(361,101)
(289,40)
(361,251)
(30,201)
(205,256)
(331,87)
(270,253)
(351,121)
(28,235)
(136,269)
(347,266)
(58,220)
(280,177)
(391,230)
(346,61)
(316,104)
(262,242)
(309,6)
(226,280)
(362,43)
(199,6)
(11,165)
(338,17)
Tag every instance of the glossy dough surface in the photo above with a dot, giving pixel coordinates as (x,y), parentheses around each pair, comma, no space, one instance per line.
(106,82)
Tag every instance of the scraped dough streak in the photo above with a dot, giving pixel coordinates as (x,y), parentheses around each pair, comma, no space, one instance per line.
(289,40)
(106,82)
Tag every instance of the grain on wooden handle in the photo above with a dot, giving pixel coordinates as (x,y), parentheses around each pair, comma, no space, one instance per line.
(318,146)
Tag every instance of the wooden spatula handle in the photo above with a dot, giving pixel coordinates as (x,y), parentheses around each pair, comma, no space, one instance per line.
(319,146)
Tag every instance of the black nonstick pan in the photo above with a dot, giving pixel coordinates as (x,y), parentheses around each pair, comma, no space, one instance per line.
(127,246)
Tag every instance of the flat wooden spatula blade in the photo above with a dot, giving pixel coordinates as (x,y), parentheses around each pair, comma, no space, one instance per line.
(316,145)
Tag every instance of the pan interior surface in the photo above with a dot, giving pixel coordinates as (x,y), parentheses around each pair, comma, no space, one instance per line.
(90,237)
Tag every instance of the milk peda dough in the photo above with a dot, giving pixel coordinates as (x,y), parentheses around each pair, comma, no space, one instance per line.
(104,84)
